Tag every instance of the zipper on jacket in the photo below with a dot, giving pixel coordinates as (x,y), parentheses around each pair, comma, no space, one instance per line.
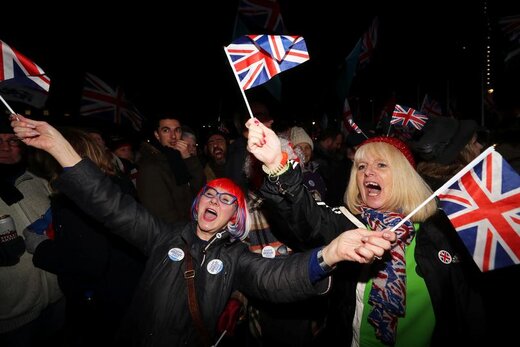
(213,239)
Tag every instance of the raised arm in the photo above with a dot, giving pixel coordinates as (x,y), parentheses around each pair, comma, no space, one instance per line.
(85,184)
(44,136)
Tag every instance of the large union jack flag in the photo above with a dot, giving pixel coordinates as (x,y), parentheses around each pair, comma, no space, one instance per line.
(257,58)
(16,66)
(407,117)
(263,14)
(102,101)
(484,207)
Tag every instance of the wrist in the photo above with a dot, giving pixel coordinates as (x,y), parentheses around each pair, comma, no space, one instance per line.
(276,162)
(323,261)
(277,169)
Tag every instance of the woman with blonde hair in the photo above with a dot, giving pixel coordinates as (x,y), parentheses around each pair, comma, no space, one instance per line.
(423,292)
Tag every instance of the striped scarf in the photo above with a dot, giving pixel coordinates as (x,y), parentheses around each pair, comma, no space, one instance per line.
(388,292)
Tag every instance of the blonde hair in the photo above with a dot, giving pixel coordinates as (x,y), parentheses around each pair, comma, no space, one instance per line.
(409,190)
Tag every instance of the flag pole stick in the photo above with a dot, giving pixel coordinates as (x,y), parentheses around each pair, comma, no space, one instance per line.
(446,185)
(238,81)
(7,105)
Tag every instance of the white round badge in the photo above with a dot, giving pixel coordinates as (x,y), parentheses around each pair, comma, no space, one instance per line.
(176,254)
(444,256)
(311,183)
(215,266)
(268,252)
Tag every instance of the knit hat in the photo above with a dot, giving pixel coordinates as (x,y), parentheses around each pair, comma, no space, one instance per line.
(443,138)
(400,145)
(298,135)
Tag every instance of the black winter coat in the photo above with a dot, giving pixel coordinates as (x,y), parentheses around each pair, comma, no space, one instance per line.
(159,315)
(453,288)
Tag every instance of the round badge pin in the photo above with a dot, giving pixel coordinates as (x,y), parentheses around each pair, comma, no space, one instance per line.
(445,256)
(268,252)
(311,183)
(215,266)
(176,254)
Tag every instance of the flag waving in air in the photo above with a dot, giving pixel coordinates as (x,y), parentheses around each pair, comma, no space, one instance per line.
(14,65)
(257,58)
(102,101)
(262,14)
(407,117)
(484,207)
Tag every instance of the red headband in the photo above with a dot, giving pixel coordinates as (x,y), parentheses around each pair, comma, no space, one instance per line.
(400,145)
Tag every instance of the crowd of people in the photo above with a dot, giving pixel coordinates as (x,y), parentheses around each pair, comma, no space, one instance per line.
(272,238)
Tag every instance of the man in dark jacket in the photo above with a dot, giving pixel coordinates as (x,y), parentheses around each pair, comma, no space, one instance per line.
(160,313)
(169,176)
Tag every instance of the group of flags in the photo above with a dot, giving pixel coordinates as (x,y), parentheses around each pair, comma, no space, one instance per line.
(21,80)
(483,203)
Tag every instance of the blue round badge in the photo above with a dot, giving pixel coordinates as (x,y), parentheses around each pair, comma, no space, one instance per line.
(176,254)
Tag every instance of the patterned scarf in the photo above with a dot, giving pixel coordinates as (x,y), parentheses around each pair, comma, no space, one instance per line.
(388,293)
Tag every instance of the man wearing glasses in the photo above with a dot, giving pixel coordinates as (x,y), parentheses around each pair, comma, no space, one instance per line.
(28,294)
(169,176)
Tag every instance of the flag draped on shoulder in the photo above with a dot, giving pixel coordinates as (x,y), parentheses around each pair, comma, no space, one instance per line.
(21,80)
(102,101)
(256,59)
(484,207)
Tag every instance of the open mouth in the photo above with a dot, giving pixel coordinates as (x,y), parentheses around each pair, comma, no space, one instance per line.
(372,188)
(210,215)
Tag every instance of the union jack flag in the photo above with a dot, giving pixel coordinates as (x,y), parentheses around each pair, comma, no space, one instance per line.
(484,207)
(19,69)
(348,121)
(368,43)
(431,107)
(102,101)
(263,14)
(407,116)
(257,58)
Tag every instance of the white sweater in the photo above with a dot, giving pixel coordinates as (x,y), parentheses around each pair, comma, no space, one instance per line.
(26,290)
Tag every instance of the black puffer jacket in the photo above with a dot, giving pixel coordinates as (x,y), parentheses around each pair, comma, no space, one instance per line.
(453,287)
(159,315)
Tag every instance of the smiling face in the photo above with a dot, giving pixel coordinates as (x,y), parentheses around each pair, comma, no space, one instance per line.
(217,148)
(374,180)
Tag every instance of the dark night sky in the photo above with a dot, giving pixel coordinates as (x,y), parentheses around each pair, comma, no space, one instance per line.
(151,51)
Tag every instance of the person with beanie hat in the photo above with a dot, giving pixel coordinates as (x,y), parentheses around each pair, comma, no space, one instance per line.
(312,178)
